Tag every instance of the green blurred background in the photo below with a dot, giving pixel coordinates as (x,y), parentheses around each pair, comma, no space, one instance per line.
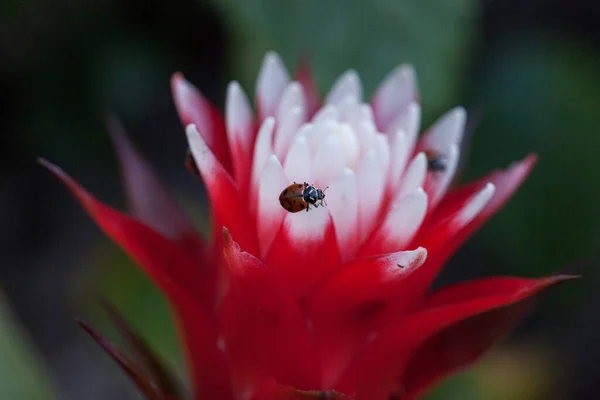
(527,71)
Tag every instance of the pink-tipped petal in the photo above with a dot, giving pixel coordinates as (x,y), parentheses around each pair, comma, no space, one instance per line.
(272,79)
(414,176)
(304,250)
(223,193)
(287,128)
(399,225)
(347,85)
(371,182)
(408,121)
(263,148)
(270,213)
(342,201)
(397,90)
(193,108)
(437,182)
(296,167)
(240,133)
(328,112)
(328,162)
(382,148)
(447,131)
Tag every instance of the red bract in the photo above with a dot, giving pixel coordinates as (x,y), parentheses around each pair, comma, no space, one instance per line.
(334,302)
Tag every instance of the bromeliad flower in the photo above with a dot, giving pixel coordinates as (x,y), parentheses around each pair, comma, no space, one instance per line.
(330,303)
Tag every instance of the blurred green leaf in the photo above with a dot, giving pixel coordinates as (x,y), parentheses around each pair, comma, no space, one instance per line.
(21,373)
(371,37)
(540,94)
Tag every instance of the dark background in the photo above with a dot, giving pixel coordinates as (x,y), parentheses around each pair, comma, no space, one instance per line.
(528,72)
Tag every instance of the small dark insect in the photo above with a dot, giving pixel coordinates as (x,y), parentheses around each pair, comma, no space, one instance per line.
(190,163)
(400,266)
(436,162)
(300,196)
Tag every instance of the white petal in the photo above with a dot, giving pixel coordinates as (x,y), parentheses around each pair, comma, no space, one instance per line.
(262,150)
(447,131)
(393,95)
(328,112)
(347,85)
(474,206)
(205,160)
(328,162)
(297,166)
(382,148)
(287,128)
(342,201)
(408,260)
(408,121)
(371,182)
(270,213)
(414,176)
(402,222)
(272,79)
(238,118)
(307,227)
(438,182)
(399,156)
(292,97)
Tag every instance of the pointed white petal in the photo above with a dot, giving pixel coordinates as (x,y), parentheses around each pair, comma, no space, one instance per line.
(408,121)
(408,260)
(292,97)
(238,118)
(270,213)
(203,156)
(328,162)
(398,157)
(287,128)
(437,182)
(474,206)
(393,95)
(401,223)
(382,148)
(370,182)
(272,79)
(342,201)
(307,227)
(447,131)
(297,166)
(327,113)
(347,85)
(262,150)
(414,176)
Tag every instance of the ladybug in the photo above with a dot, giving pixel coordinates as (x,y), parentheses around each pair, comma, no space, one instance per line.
(190,163)
(299,196)
(436,162)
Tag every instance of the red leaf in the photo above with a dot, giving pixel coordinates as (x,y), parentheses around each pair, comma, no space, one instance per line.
(189,288)
(440,236)
(145,384)
(375,371)
(271,390)
(356,302)
(264,331)
(163,260)
(143,353)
